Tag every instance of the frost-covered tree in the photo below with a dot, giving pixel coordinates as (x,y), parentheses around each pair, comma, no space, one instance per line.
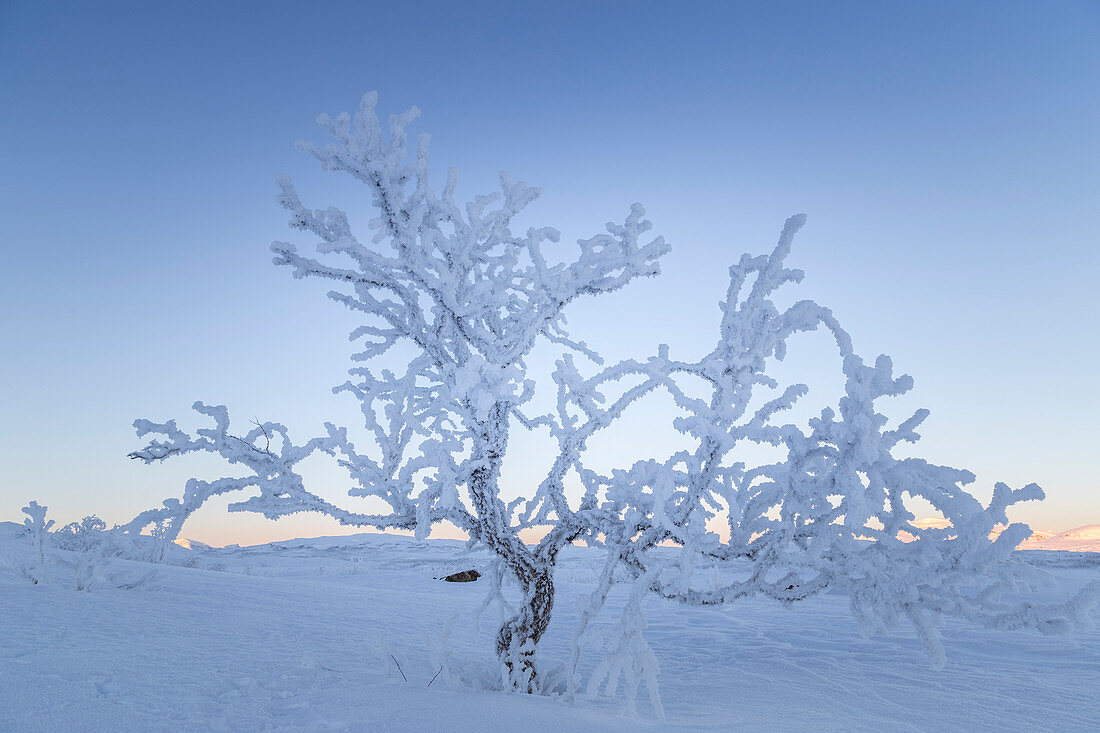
(471,297)
(38,527)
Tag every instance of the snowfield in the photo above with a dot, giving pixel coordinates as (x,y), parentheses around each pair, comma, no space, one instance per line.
(298,636)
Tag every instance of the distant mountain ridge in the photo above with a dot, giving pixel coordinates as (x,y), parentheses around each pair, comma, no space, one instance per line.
(1079,539)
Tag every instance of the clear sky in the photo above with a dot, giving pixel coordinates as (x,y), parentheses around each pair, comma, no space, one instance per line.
(946,154)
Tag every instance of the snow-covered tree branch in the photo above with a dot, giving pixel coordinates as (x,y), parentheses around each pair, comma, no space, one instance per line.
(471,298)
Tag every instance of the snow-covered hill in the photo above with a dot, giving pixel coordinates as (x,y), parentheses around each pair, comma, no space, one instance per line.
(1082,539)
(298,636)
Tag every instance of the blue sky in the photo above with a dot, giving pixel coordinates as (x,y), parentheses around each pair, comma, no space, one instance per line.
(945,153)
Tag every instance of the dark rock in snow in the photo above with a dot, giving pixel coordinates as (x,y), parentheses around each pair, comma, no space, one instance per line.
(466,576)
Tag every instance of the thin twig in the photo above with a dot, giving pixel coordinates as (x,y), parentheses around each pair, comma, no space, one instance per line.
(399,667)
(148,456)
(245,443)
(436,675)
(257,423)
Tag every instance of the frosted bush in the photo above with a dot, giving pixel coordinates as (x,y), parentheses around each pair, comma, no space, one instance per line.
(81,536)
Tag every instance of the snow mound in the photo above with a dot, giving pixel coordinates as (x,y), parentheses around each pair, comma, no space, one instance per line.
(10,530)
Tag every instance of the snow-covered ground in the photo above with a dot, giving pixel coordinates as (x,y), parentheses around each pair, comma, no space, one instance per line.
(297,636)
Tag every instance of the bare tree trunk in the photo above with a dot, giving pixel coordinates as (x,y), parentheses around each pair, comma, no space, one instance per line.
(519,636)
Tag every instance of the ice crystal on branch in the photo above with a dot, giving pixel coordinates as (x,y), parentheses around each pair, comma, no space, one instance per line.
(452,283)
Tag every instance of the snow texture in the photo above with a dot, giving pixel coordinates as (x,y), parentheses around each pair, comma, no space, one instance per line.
(307,635)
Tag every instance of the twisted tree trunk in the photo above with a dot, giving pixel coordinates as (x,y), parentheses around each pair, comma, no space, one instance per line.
(519,636)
